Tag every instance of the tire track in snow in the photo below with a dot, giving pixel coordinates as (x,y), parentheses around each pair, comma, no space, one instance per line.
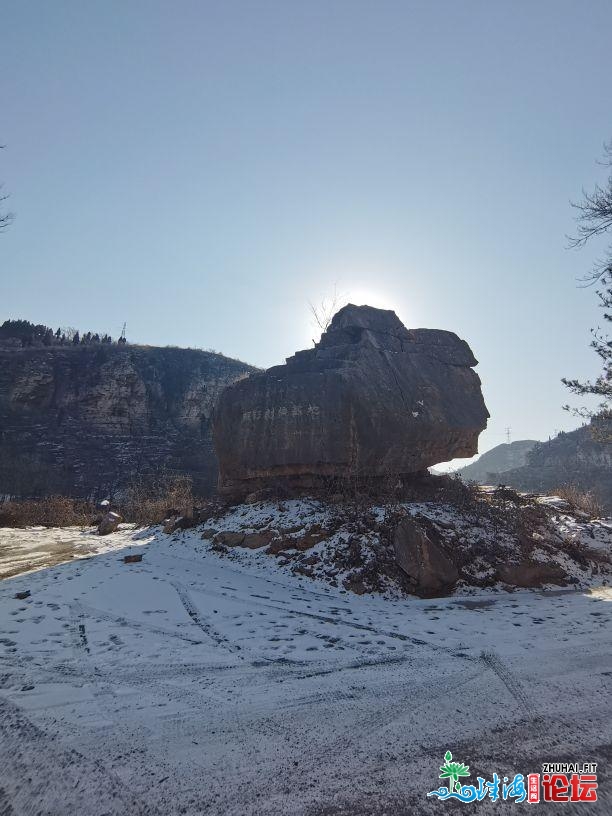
(334,620)
(366,721)
(78,628)
(494,662)
(102,688)
(132,624)
(199,620)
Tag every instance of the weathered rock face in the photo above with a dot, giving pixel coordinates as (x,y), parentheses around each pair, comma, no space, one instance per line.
(371,399)
(86,420)
(425,562)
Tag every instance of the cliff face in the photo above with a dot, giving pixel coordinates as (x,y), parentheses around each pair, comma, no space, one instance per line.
(85,420)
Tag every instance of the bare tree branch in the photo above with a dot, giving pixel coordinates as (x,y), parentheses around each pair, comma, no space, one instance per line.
(326,309)
(5,217)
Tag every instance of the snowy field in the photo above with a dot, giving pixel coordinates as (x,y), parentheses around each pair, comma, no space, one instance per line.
(191,683)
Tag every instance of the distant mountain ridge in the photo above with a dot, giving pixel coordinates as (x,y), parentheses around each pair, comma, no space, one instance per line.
(574,458)
(498,460)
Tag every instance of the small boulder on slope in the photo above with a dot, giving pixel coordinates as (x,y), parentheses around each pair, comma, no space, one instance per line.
(109,523)
(424,561)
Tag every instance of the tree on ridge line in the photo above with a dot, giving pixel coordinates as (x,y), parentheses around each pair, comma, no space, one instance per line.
(595,219)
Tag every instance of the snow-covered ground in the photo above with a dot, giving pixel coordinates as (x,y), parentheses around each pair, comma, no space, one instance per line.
(199,683)
(24,550)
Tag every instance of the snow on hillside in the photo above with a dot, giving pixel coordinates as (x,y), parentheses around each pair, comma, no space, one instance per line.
(205,682)
(354,550)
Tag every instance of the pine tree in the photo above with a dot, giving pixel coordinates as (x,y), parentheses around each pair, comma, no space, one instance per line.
(595,219)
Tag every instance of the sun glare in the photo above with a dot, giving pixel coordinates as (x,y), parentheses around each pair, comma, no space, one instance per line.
(368,297)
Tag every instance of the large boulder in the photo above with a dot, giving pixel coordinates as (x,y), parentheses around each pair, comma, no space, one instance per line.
(372,398)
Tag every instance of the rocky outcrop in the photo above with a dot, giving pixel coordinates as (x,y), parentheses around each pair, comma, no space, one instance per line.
(371,399)
(85,420)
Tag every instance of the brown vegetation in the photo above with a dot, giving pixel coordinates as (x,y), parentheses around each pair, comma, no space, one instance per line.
(585,501)
(144,502)
(150,501)
(53,511)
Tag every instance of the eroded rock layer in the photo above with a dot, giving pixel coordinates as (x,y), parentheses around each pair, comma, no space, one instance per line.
(86,421)
(371,399)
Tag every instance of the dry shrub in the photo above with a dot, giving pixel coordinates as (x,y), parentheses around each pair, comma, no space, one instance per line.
(53,511)
(464,495)
(151,500)
(583,500)
(501,511)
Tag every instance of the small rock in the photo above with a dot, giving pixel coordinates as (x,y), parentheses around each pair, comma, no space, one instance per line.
(209,532)
(174,523)
(256,540)
(301,543)
(21,596)
(132,559)
(310,539)
(533,574)
(279,545)
(171,524)
(259,496)
(229,539)
(291,530)
(355,584)
(109,523)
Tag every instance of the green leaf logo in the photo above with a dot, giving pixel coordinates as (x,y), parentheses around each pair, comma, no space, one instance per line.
(453,771)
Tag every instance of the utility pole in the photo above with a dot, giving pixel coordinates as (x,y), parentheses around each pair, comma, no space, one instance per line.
(508,435)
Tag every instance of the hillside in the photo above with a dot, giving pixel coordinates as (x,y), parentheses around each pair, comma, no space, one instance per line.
(574,458)
(84,420)
(498,460)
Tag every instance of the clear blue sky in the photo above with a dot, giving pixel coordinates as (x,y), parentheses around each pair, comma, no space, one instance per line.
(202,170)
